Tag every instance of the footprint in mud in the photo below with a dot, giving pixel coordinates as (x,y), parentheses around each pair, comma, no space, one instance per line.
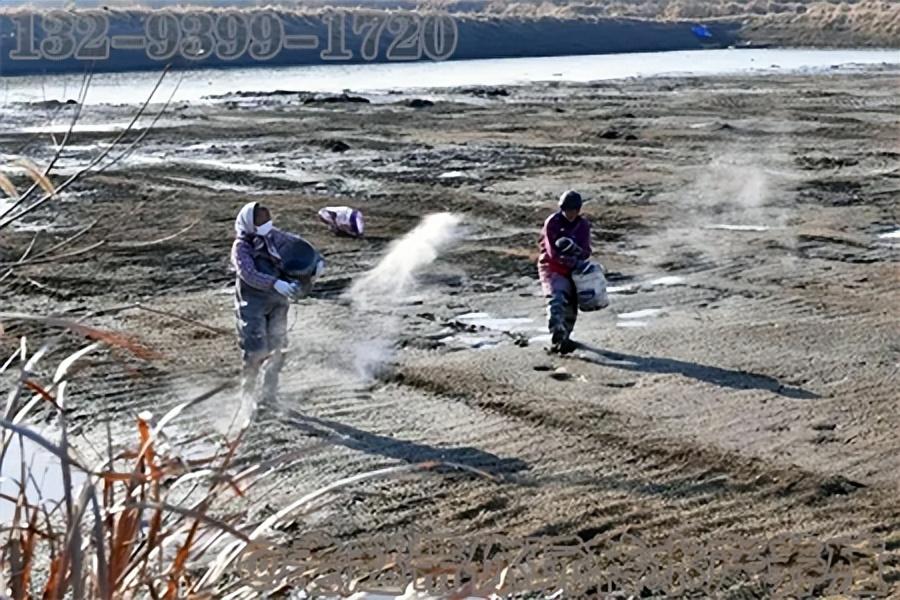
(561,374)
(479,330)
(557,373)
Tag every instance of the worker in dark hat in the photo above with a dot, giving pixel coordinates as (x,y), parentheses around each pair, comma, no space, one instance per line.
(565,241)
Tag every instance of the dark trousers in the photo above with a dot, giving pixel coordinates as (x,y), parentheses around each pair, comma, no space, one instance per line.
(262,331)
(562,301)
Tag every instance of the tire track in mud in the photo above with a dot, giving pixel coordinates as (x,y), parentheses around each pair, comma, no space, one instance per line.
(645,473)
(579,479)
(665,471)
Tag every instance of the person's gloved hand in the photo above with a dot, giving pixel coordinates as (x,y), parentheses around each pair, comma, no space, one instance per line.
(288,290)
(567,247)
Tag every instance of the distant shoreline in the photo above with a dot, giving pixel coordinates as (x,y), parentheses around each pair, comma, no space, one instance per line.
(484,78)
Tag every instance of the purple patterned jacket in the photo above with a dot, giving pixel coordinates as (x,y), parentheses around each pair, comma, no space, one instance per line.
(247,248)
(555,227)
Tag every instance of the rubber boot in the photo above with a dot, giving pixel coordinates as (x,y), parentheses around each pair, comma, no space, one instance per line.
(270,377)
(567,346)
(558,337)
(249,377)
(249,390)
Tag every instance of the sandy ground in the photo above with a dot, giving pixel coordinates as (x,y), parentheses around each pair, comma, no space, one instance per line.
(742,383)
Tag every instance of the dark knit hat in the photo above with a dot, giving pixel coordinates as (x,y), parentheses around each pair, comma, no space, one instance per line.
(570,200)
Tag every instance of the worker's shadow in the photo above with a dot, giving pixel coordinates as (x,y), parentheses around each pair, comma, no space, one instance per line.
(410,452)
(726,378)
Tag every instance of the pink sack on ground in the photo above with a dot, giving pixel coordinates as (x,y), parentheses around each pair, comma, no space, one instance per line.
(343,219)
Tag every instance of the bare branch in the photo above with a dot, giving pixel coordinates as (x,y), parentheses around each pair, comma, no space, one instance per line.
(144,133)
(180,318)
(68,240)
(136,245)
(194,514)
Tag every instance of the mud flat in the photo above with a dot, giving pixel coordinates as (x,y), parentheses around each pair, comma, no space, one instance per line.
(742,384)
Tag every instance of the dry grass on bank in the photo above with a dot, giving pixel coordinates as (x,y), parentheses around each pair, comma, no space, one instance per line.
(143,521)
(789,22)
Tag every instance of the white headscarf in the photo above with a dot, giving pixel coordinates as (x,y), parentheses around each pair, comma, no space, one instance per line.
(245,227)
(243,224)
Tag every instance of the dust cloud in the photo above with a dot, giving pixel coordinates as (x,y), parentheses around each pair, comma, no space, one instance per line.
(734,193)
(376,296)
(394,276)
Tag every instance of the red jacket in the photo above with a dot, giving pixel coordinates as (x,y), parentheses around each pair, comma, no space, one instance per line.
(555,227)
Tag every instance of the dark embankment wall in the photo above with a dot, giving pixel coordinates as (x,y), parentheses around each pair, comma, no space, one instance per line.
(478,37)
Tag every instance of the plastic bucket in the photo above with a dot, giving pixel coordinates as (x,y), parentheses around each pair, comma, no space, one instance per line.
(299,259)
(591,287)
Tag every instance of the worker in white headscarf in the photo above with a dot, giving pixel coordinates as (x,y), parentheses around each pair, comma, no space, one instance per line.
(262,297)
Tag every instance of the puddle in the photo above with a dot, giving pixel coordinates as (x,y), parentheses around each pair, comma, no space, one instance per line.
(508,325)
(891,235)
(214,185)
(474,342)
(618,289)
(45,485)
(453,175)
(232,165)
(634,318)
(642,314)
(540,339)
(738,227)
(668,280)
(491,331)
(84,128)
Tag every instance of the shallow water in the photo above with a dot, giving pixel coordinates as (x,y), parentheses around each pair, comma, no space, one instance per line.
(642,314)
(133,87)
(45,488)
(507,324)
(667,280)
(725,227)
(631,324)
